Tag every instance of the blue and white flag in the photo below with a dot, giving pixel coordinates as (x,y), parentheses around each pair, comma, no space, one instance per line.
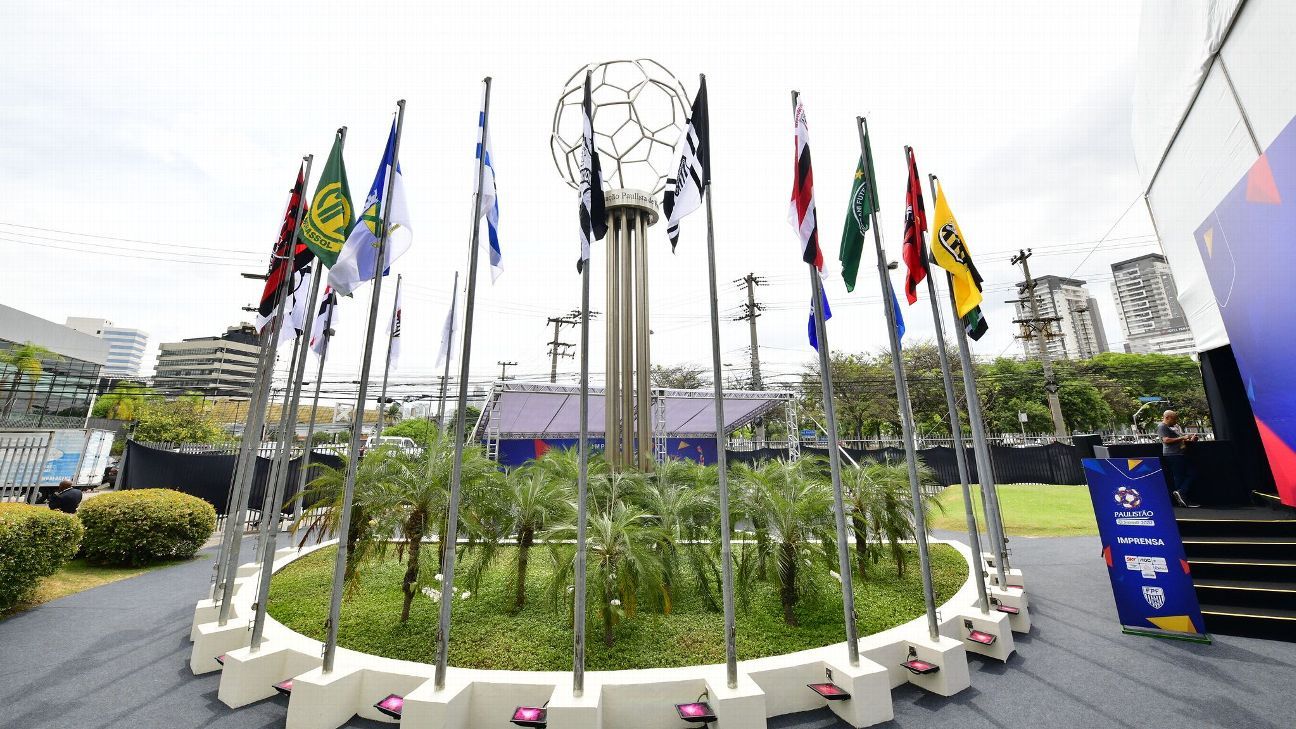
(489,202)
(895,306)
(827,313)
(355,265)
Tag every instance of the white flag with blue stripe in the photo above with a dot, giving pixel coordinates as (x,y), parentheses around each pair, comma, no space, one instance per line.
(355,265)
(489,206)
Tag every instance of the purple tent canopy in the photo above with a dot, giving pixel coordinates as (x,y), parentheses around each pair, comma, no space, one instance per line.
(520,410)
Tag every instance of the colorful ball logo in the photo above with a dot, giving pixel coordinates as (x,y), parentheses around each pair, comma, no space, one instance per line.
(1128,498)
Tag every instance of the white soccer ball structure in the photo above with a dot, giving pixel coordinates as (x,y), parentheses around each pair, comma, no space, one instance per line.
(639,115)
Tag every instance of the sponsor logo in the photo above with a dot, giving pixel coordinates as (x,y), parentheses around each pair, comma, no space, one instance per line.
(1128,497)
(1149,566)
(1155,596)
(1145,541)
(1135,522)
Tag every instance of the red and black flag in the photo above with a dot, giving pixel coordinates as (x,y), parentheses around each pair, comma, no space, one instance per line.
(290,253)
(801,210)
(915,228)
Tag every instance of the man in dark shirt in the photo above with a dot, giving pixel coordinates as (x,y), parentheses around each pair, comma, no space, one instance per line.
(1173,445)
(65,498)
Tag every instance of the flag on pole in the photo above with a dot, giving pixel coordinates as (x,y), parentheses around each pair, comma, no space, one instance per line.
(915,227)
(323,324)
(827,313)
(447,331)
(593,218)
(331,216)
(801,210)
(489,206)
(684,191)
(355,264)
(863,201)
(895,307)
(393,351)
(950,252)
(290,256)
(298,301)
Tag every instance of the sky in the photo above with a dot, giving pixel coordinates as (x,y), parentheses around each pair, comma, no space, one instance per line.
(148,150)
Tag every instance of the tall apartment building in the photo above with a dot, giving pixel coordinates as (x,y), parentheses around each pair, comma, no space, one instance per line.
(125,346)
(219,366)
(1078,332)
(1148,302)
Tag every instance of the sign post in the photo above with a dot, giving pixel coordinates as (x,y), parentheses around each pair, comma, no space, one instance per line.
(1141,546)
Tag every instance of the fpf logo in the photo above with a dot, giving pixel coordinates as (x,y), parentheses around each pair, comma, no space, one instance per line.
(1128,497)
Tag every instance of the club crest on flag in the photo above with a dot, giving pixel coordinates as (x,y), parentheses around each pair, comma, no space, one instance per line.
(952,242)
(330,214)
(861,204)
(1155,596)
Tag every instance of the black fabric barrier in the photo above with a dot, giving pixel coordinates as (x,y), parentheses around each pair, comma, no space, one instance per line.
(1055,463)
(207,475)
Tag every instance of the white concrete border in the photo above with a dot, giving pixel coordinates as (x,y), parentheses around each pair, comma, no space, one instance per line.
(474,698)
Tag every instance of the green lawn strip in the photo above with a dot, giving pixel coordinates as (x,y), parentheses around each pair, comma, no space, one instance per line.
(78,576)
(539,638)
(1029,510)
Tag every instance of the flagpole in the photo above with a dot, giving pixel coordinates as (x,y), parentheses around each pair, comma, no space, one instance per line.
(582,495)
(451,537)
(834,459)
(276,459)
(353,451)
(391,337)
(726,540)
(445,376)
(250,447)
(902,396)
(956,426)
(985,467)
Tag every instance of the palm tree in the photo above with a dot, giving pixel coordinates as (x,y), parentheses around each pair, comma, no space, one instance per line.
(679,495)
(795,506)
(621,560)
(25,359)
(536,499)
(882,510)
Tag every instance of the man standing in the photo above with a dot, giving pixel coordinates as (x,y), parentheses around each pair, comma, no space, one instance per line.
(65,498)
(1173,446)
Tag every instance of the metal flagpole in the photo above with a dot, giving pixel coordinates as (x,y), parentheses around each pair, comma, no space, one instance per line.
(353,451)
(726,539)
(451,537)
(956,426)
(985,468)
(282,445)
(582,490)
(445,376)
(902,396)
(250,447)
(834,461)
(391,337)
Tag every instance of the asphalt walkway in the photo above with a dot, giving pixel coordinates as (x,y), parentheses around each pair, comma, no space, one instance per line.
(117,656)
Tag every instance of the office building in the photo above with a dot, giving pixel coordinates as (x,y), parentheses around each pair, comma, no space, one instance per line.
(69,374)
(125,346)
(1148,303)
(223,366)
(1076,326)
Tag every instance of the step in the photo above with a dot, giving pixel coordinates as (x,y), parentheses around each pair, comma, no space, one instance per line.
(1247,593)
(1231,568)
(1269,623)
(1242,523)
(1248,547)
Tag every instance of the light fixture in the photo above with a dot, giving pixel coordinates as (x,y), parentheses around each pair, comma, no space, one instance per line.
(284,687)
(697,711)
(978,636)
(918,666)
(530,716)
(392,705)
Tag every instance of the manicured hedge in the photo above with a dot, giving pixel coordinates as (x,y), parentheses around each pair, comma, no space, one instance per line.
(141,526)
(35,542)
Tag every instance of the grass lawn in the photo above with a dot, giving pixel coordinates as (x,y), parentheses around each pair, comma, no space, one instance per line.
(486,634)
(76,576)
(1029,510)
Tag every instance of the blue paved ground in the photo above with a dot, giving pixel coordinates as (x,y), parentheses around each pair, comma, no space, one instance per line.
(117,656)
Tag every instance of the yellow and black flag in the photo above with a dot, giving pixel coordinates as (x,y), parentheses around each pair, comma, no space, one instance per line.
(949,251)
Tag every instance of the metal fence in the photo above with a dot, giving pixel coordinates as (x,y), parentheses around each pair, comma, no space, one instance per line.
(22,461)
(40,421)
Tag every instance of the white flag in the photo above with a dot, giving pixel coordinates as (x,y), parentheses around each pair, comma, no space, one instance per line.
(359,257)
(447,331)
(393,351)
(298,300)
(489,202)
(323,324)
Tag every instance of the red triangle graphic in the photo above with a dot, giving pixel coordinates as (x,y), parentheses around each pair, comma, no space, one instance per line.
(1261,187)
(1107,556)
(1282,462)
(541,448)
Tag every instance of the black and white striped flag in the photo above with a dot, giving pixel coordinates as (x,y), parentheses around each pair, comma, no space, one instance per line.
(684,191)
(593,219)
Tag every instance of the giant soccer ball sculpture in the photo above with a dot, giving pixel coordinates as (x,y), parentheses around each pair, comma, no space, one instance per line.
(638,117)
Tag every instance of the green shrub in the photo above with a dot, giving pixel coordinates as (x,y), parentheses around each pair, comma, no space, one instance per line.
(141,526)
(34,542)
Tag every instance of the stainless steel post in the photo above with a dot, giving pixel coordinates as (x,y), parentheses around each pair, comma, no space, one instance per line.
(391,337)
(353,451)
(902,396)
(612,377)
(451,537)
(282,446)
(629,222)
(643,357)
(582,489)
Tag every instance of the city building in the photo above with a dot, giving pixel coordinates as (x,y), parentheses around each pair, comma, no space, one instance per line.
(125,346)
(68,377)
(1077,331)
(1148,303)
(222,366)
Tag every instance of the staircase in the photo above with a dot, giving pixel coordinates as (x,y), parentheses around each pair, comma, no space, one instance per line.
(1243,565)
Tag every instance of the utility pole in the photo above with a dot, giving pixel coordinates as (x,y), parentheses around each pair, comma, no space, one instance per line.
(751,310)
(504,369)
(559,348)
(1041,329)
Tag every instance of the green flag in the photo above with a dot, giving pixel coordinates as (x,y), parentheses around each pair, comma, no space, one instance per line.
(331,216)
(863,201)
